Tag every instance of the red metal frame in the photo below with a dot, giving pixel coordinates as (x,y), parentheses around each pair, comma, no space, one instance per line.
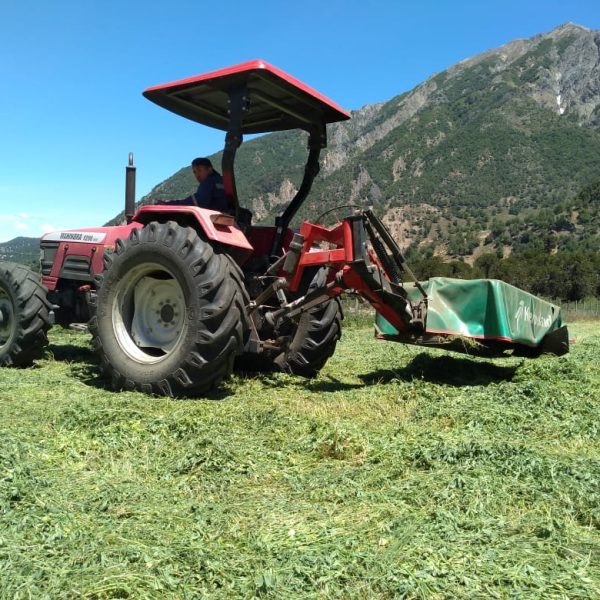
(230,235)
(352,280)
(261,238)
(340,260)
(311,256)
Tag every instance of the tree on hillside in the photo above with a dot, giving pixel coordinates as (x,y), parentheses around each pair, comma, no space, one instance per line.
(589,194)
(487,264)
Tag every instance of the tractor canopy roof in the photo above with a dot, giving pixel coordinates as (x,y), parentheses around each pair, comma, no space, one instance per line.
(274,100)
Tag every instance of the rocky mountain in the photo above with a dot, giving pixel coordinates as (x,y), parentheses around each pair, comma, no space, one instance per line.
(489,155)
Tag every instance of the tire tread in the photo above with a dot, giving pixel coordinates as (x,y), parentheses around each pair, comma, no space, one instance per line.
(32,311)
(220,336)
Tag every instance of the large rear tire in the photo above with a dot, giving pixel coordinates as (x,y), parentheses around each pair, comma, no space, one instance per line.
(314,340)
(169,315)
(24,316)
(311,340)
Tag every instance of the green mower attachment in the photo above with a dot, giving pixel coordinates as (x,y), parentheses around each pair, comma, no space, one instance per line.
(482,316)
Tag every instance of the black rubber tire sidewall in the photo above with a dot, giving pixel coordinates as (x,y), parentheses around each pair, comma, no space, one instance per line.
(205,352)
(31,314)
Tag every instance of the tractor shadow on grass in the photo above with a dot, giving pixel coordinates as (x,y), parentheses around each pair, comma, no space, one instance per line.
(83,364)
(325,384)
(72,354)
(445,370)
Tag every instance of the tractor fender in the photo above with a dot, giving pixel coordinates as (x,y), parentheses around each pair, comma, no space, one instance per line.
(203,220)
(78,255)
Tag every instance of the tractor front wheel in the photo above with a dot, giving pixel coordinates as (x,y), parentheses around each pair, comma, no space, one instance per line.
(169,314)
(24,315)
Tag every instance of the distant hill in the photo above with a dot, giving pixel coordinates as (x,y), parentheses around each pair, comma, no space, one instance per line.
(24,250)
(487,156)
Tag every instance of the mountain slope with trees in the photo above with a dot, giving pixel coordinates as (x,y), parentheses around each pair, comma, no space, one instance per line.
(24,250)
(480,158)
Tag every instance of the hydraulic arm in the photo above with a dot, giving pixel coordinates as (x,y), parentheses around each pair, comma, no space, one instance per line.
(359,256)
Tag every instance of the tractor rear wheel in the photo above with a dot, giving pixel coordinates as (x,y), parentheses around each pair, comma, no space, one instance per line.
(310,341)
(169,315)
(24,315)
(313,340)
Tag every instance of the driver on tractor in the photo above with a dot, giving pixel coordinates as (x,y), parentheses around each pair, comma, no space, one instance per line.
(211,191)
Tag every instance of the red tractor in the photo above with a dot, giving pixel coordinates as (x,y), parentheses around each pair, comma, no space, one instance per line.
(178,295)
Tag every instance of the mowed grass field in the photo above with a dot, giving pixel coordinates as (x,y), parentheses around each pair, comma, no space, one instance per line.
(397,473)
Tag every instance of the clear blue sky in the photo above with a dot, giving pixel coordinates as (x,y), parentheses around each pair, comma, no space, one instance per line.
(72,73)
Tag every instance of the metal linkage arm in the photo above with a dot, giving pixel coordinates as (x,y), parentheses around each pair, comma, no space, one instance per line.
(389,241)
(352,266)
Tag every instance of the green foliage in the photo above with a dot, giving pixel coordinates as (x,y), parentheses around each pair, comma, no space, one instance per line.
(487,264)
(396,473)
(24,250)
(436,267)
(590,194)
(565,275)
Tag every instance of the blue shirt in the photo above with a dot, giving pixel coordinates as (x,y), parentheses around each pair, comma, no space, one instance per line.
(210,194)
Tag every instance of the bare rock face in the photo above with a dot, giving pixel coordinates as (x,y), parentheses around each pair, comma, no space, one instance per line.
(343,137)
(363,188)
(407,108)
(284,195)
(578,75)
(399,167)
(286,192)
(333,160)
(560,70)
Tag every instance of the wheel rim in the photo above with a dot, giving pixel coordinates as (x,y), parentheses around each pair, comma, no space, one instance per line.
(149,313)
(8,323)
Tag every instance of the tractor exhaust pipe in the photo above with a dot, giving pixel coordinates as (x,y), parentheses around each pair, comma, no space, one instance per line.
(129,189)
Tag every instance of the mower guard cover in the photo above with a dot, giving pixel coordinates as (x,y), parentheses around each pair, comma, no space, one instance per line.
(484,316)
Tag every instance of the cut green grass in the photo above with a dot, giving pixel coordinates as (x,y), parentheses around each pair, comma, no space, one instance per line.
(398,472)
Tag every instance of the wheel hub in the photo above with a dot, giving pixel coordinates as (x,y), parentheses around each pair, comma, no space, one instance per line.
(167,313)
(149,313)
(158,313)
